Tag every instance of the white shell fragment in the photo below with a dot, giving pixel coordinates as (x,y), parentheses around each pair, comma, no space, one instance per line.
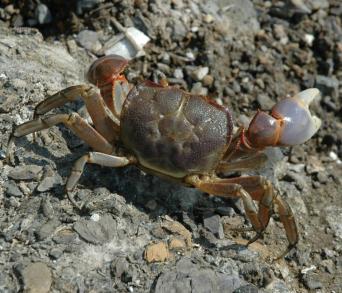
(130,45)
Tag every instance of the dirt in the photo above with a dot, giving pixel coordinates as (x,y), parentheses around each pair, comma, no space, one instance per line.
(252,54)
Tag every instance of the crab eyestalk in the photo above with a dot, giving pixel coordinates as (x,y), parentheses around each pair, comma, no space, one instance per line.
(289,123)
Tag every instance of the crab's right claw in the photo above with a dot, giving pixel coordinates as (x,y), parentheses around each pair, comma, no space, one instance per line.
(298,123)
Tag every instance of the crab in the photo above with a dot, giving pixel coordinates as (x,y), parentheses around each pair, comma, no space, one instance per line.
(184,137)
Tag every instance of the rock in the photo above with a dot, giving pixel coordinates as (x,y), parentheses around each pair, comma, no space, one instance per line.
(177,229)
(327,85)
(55,253)
(177,244)
(47,229)
(319,4)
(265,101)
(277,286)
(200,72)
(43,14)
(26,172)
(12,189)
(188,277)
(37,278)
(89,40)
(334,219)
(178,73)
(65,236)
(7,103)
(214,225)
(97,232)
(157,252)
(198,89)
(247,289)
(50,180)
(83,5)
(311,281)
(119,266)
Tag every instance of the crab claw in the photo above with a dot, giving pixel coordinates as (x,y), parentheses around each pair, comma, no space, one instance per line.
(299,125)
(289,123)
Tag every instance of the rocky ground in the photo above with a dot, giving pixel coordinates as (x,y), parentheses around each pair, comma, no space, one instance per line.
(140,233)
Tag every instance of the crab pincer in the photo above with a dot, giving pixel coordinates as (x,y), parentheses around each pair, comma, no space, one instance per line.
(290,122)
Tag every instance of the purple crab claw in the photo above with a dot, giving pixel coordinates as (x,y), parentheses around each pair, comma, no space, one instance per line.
(289,123)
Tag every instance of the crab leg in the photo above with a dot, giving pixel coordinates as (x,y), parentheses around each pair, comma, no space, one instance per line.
(249,189)
(105,122)
(93,158)
(253,161)
(73,121)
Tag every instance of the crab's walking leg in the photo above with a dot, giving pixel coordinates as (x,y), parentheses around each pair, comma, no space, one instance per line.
(94,158)
(105,122)
(73,121)
(249,163)
(249,189)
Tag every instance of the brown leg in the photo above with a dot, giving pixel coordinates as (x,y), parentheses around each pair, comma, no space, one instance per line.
(249,189)
(251,162)
(94,158)
(105,123)
(73,121)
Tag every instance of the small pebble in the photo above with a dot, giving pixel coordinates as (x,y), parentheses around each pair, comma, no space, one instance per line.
(208,80)
(214,225)
(26,172)
(178,73)
(200,72)
(89,40)
(43,14)
(95,217)
(157,252)
(55,253)
(12,189)
(309,39)
(37,278)
(208,18)
(311,281)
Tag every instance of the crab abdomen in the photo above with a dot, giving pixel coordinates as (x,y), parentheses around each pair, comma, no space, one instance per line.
(173,132)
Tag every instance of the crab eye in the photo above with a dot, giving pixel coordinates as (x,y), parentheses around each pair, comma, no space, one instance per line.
(105,69)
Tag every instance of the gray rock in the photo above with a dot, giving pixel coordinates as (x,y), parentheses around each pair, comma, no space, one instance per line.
(97,232)
(214,225)
(247,289)
(12,189)
(2,154)
(327,85)
(47,229)
(37,278)
(277,286)
(319,4)
(55,253)
(265,102)
(49,181)
(188,277)
(26,172)
(311,281)
(65,236)
(7,103)
(43,14)
(89,40)
(119,267)
(83,5)
(334,219)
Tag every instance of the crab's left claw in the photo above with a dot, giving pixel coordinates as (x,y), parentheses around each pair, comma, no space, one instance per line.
(299,125)
(289,123)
